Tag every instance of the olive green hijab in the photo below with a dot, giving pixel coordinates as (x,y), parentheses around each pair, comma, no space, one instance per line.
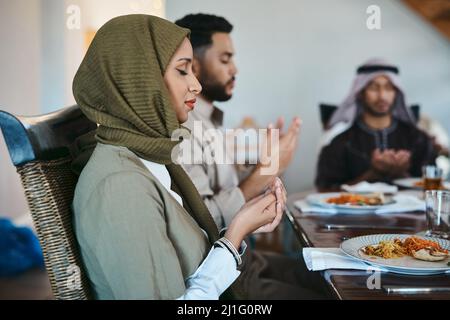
(120,86)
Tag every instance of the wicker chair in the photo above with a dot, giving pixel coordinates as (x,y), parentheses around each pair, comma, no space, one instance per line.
(40,148)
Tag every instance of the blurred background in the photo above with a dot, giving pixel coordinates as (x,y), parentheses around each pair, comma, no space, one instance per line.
(291,54)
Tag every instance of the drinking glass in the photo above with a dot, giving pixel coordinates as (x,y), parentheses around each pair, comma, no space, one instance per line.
(438,213)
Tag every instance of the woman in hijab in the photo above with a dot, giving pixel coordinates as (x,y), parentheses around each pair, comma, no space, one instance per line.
(143,230)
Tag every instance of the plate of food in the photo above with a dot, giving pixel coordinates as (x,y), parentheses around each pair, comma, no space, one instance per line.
(416,183)
(400,253)
(351,202)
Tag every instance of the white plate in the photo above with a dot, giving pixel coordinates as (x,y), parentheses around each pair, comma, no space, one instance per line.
(320,199)
(410,183)
(405,265)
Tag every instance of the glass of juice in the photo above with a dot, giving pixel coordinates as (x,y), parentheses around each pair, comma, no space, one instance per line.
(432,178)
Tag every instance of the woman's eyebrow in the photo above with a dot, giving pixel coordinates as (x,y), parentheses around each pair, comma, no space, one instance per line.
(185,59)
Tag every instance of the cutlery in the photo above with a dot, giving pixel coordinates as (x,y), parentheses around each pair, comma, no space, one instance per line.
(414,290)
(362,226)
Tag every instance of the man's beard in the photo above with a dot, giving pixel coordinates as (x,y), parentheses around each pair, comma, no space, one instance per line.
(366,108)
(212,90)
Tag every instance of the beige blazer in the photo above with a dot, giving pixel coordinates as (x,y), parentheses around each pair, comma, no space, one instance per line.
(136,241)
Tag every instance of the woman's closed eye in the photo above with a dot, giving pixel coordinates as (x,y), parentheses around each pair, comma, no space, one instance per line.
(182,72)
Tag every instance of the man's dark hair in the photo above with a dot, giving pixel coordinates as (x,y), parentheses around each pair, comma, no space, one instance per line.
(202,27)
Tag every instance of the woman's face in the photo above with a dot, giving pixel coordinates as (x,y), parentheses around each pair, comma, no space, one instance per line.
(183,86)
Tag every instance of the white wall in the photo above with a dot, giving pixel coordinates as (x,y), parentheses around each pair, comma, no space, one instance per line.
(97,12)
(94,13)
(293,54)
(39,56)
(20,65)
(52,55)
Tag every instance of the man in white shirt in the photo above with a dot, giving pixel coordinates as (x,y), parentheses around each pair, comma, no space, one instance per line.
(214,67)
(218,183)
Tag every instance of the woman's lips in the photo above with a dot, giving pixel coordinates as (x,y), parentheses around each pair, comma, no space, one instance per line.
(190,103)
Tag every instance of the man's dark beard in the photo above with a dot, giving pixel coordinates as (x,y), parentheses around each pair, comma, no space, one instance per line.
(362,106)
(213,90)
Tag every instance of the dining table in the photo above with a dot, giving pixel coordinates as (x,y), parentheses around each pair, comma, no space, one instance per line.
(313,230)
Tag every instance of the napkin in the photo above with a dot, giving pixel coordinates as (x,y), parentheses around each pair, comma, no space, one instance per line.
(317,259)
(306,207)
(366,187)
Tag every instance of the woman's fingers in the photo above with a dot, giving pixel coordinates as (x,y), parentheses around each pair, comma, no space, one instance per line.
(272,221)
(257,198)
(278,217)
(283,194)
(265,202)
(270,206)
(279,195)
(275,216)
(270,213)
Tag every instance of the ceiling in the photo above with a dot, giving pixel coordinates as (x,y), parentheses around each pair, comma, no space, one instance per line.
(436,12)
